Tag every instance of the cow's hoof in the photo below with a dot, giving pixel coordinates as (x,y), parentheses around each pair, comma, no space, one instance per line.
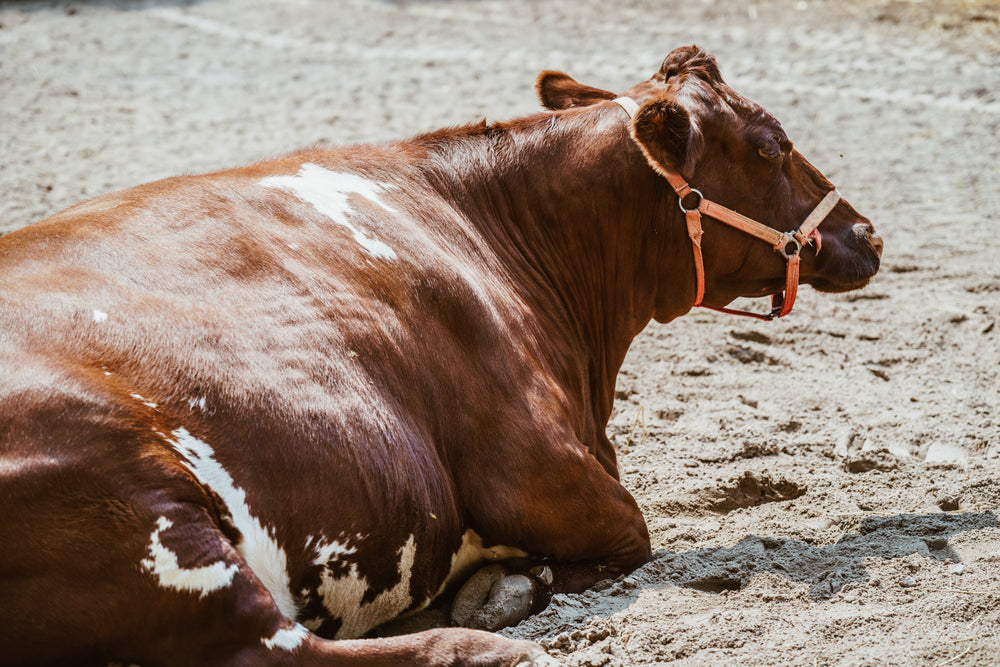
(492,599)
(543,573)
(537,658)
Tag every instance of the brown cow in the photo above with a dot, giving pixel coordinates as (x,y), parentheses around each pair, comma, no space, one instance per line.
(244,413)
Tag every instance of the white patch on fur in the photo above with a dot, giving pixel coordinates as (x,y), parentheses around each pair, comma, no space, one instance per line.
(342,596)
(329,192)
(100,316)
(197,403)
(326,552)
(288,640)
(472,554)
(259,547)
(162,563)
(143,400)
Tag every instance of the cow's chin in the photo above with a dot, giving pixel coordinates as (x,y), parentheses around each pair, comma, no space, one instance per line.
(855,275)
(831,287)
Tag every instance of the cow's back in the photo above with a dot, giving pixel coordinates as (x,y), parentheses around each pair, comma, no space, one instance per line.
(242,326)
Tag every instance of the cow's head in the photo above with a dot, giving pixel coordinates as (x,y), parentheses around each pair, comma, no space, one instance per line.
(732,150)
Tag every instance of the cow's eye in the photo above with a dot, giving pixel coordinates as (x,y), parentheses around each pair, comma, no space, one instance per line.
(769,152)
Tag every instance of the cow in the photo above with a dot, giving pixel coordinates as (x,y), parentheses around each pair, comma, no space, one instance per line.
(246,417)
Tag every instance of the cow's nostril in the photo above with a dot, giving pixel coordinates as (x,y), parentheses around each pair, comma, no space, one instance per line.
(863,231)
(876,242)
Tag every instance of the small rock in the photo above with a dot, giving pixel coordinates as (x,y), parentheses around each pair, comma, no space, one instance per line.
(844,442)
(907,582)
(948,504)
(595,635)
(940,452)
(899,450)
(878,459)
(957,568)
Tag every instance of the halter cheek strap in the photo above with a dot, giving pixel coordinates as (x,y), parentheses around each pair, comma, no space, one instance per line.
(786,244)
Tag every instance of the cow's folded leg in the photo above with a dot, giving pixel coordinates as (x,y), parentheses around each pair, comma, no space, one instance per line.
(578,528)
(498,596)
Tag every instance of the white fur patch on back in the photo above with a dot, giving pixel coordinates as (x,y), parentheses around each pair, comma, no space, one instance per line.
(162,563)
(287,639)
(342,596)
(259,547)
(329,193)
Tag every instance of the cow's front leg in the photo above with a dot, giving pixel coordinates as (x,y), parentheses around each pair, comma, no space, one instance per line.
(502,594)
(578,524)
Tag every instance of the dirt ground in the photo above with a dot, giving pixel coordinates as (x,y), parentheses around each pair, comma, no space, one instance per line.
(822,490)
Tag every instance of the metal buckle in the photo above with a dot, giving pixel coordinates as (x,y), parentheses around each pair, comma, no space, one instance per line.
(790,240)
(680,200)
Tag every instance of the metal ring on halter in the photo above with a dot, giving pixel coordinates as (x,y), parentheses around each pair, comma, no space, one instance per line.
(790,240)
(680,200)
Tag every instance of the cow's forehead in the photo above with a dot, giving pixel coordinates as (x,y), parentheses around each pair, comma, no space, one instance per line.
(713,99)
(761,118)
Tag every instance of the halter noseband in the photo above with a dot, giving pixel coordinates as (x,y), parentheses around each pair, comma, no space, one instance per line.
(786,244)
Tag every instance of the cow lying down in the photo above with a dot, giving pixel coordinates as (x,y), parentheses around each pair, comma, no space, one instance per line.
(248,416)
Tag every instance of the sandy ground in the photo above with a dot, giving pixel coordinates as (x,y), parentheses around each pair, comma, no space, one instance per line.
(822,490)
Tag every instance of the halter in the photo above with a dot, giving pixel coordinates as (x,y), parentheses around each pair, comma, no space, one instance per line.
(786,244)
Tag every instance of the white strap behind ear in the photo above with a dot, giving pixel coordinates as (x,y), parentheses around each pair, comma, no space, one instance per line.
(627,103)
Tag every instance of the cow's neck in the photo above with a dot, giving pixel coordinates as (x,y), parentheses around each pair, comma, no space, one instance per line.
(570,206)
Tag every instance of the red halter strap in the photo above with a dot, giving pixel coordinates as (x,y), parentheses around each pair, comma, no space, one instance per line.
(786,244)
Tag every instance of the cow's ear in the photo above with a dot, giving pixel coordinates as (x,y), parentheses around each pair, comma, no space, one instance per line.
(559,91)
(667,135)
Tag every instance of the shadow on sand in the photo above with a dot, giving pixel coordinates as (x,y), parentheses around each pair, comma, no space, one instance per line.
(826,569)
